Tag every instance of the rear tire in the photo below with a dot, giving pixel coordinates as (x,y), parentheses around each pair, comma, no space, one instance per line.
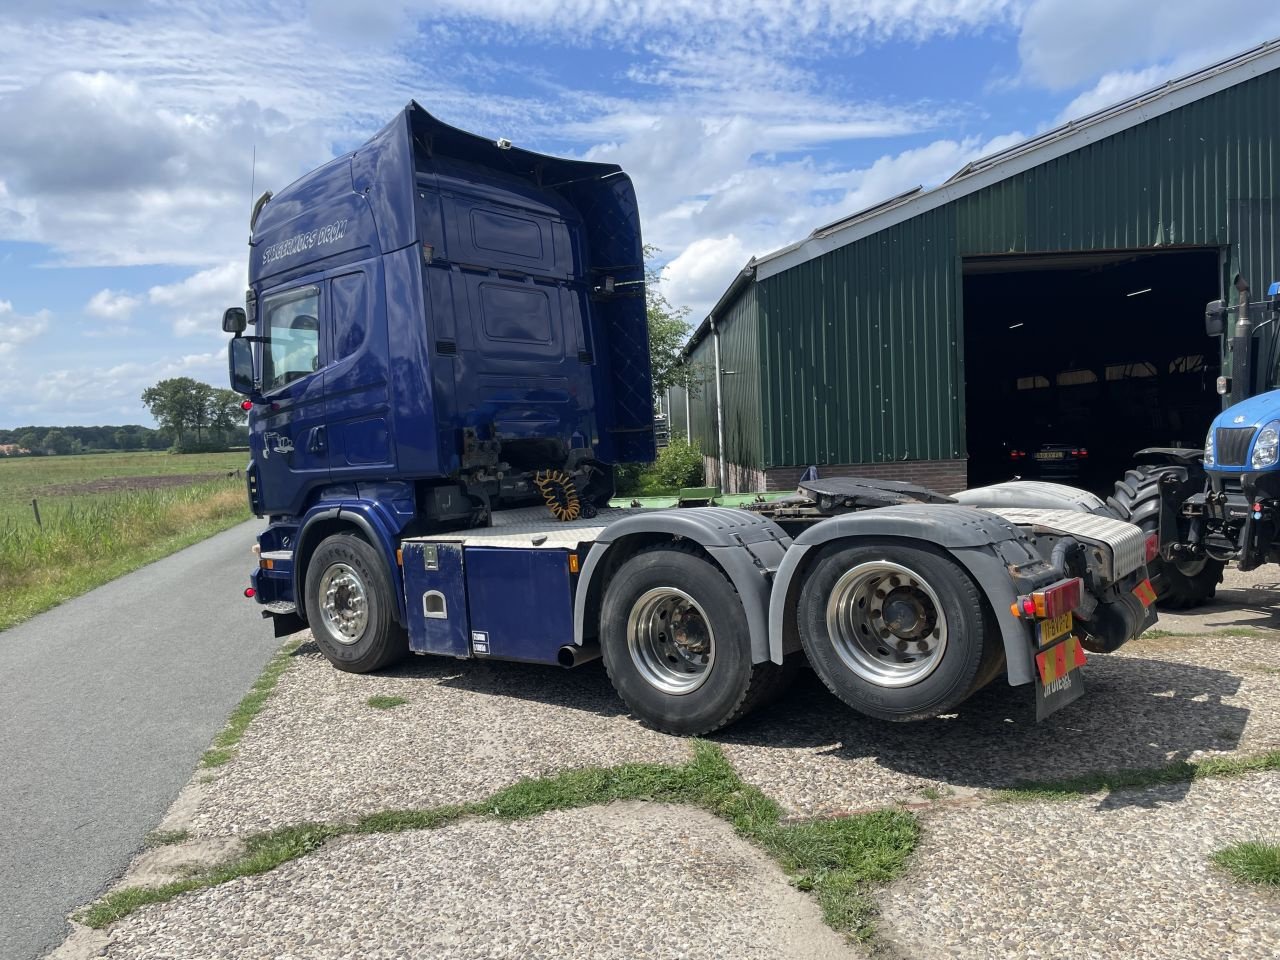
(1178,585)
(897,632)
(351,606)
(676,646)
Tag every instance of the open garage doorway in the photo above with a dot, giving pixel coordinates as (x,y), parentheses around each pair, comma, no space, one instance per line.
(1075,361)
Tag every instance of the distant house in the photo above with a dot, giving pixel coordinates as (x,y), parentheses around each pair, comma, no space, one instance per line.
(12,450)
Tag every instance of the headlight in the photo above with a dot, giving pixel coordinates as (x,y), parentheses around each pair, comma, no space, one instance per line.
(1266,449)
(1208,449)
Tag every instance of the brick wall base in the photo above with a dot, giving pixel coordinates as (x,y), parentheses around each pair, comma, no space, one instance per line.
(945,476)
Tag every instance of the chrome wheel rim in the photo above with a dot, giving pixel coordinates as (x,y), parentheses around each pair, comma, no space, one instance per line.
(343,603)
(670,640)
(887,624)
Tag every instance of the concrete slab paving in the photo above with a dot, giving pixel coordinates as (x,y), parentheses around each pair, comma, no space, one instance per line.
(1124,876)
(610,883)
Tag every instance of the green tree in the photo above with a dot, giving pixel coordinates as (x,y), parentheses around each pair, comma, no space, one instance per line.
(29,440)
(59,443)
(180,405)
(226,416)
(668,332)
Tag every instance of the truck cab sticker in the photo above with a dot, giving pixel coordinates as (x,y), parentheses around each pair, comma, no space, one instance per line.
(480,642)
(301,242)
(275,443)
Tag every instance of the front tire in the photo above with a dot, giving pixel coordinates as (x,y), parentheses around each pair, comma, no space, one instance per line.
(676,646)
(351,605)
(897,632)
(1178,584)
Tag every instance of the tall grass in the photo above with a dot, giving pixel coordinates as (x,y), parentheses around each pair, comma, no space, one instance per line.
(83,545)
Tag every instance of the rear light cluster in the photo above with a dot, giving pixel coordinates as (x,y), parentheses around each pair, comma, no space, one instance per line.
(1079,452)
(1017,454)
(1153,546)
(1053,601)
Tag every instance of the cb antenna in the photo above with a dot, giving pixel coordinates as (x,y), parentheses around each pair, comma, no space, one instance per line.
(255,206)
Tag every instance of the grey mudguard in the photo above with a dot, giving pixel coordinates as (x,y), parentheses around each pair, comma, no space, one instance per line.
(984,544)
(747,547)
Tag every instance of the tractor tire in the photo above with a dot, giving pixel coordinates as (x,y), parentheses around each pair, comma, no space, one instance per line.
(1179,585)
(897,632)
(675,643)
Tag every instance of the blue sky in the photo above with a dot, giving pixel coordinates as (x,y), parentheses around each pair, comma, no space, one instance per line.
(127,130)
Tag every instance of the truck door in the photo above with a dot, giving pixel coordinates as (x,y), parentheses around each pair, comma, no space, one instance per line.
(357,376)
(290,439)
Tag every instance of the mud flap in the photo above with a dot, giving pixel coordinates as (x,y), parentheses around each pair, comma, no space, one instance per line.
(1059,680)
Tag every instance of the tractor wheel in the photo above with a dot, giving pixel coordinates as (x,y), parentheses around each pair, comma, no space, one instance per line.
(1179,584)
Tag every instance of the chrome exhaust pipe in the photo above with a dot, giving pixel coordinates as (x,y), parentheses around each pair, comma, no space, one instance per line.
(572,655)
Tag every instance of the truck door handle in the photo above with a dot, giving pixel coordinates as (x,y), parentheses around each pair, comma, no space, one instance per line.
(316,443)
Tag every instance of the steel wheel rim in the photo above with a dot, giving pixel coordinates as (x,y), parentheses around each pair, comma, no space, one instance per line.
(344,605)
(670,640)
(1190,568)
(887,624)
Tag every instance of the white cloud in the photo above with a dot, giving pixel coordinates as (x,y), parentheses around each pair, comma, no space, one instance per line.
(16,329)
(1066,43)
(99,395)
(194,305)
(112,305)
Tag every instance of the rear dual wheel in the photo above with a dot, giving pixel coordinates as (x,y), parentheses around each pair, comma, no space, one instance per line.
(676,645)
(897,632)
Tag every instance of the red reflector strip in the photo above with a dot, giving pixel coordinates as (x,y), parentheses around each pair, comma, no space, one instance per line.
(1056,663)
(1145,593)
(1062,597)
(1153,546)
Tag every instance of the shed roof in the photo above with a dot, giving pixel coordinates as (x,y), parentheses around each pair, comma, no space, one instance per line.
(1003,164)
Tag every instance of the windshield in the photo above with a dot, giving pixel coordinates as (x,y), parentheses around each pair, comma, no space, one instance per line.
(292,334)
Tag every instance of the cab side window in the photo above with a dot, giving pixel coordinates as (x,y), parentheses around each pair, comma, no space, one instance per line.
(292,330)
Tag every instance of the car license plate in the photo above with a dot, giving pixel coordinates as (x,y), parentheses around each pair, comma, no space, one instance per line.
(1050,455)
(1048,631)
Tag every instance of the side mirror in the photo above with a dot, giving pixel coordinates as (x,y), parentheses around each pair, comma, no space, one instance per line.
(240,364)
(234,320)
(1215,318)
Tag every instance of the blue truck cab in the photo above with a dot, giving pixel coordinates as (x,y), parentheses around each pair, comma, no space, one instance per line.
(444,352)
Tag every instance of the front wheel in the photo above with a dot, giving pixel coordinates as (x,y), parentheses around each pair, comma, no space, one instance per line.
(897,632)
(351,605)
(676,646)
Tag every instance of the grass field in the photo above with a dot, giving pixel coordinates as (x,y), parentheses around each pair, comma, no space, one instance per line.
(104,515)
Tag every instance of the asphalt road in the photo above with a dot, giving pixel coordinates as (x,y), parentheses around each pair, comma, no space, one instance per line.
(106,704)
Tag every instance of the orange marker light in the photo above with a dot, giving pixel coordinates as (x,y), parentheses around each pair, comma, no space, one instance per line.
(573,563)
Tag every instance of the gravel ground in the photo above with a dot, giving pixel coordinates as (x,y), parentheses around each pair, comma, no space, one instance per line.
(1118,877)
(1165,700)
(1124,877)
(319,752)
(612,883)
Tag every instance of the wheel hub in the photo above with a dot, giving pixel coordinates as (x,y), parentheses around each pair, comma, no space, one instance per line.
(344,604)
(887,624)
(670,640)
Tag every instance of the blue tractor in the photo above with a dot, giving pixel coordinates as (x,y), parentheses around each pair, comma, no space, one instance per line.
(1222,503)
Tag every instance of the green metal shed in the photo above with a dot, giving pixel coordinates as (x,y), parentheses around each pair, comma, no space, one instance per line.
(879,344)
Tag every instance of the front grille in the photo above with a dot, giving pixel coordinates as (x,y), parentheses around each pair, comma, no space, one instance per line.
(1231,445)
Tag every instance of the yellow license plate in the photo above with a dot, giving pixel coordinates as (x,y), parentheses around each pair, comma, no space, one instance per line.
(1050,455)
(1048,631)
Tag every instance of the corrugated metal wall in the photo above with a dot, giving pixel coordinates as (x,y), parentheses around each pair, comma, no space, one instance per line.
(740,384)
(860,351)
